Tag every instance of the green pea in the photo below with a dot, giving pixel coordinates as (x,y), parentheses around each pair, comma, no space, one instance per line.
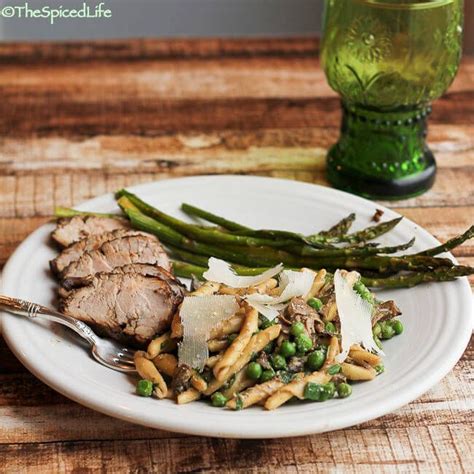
(303,343)
(315,303)
(267,375)
(287,349)
(279,362)
(387,331)
(254,371)
(344,390)
(313,391)
(218,400)
(297,329)
(329,327)
(363,291)
(315,360)
(379,369)
(334,369)
(397,326)
(144,388)
(376,330)
(329,390)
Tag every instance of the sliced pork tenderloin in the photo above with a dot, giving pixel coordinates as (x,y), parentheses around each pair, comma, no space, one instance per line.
(72,229)
(134,268)
(129,307)
(92,242)
(116,253)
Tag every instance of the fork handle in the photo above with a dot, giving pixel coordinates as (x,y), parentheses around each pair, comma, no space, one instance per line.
(33,310)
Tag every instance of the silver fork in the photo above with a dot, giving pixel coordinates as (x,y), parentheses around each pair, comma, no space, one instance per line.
(106,352)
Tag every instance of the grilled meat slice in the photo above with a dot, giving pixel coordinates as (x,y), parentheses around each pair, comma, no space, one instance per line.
(129,307)
(73,229)
(138,269)
(386,310)
(92,242)
(116,253)
(181,379)
(299,310)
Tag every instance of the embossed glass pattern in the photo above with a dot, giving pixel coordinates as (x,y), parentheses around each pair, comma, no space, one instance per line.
(388,59)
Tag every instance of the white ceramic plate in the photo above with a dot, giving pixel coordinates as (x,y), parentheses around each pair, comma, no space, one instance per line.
(437,317)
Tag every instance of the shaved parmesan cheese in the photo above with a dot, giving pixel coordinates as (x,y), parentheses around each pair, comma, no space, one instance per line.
(293,284)
(221,272)
(269,311)
(355,316)
(200,314)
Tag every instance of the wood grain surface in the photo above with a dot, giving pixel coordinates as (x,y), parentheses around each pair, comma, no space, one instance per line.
(81,119)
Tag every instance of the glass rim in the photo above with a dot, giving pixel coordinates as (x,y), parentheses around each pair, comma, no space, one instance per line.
(406,4)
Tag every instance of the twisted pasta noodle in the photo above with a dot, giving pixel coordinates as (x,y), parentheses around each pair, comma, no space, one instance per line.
(333,351)
(217,345)
(318,283)
(147,370)
(231,355)
(227,290)
(294,389)
(206,289)
(159,344)
(256,344)
(361,355)
(188,396)
(265,286)
(198,382)
(356,372)
(330,311)
(228,326)
(256,394)
(176,326)
(212,361)
(241,382)
(166,363)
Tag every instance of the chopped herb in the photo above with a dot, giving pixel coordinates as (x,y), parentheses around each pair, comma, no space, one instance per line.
(239,403)
(265,323)
(229,383)
(285,376)
(334,369)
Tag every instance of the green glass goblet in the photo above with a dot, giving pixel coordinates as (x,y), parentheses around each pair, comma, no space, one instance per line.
(388,59)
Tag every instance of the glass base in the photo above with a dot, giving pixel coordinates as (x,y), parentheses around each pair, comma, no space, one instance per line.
(378,188)
(382,155)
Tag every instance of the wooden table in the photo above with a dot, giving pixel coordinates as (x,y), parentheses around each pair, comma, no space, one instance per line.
(79,120)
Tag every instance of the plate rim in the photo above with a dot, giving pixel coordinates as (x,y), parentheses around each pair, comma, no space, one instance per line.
(254,431)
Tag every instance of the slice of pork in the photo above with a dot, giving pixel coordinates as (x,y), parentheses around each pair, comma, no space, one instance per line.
(129,307)
(156,271)
(73,229)
(93,242)
(136,268)
(116,253)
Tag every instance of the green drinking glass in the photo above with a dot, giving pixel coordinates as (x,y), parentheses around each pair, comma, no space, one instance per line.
(388,59)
